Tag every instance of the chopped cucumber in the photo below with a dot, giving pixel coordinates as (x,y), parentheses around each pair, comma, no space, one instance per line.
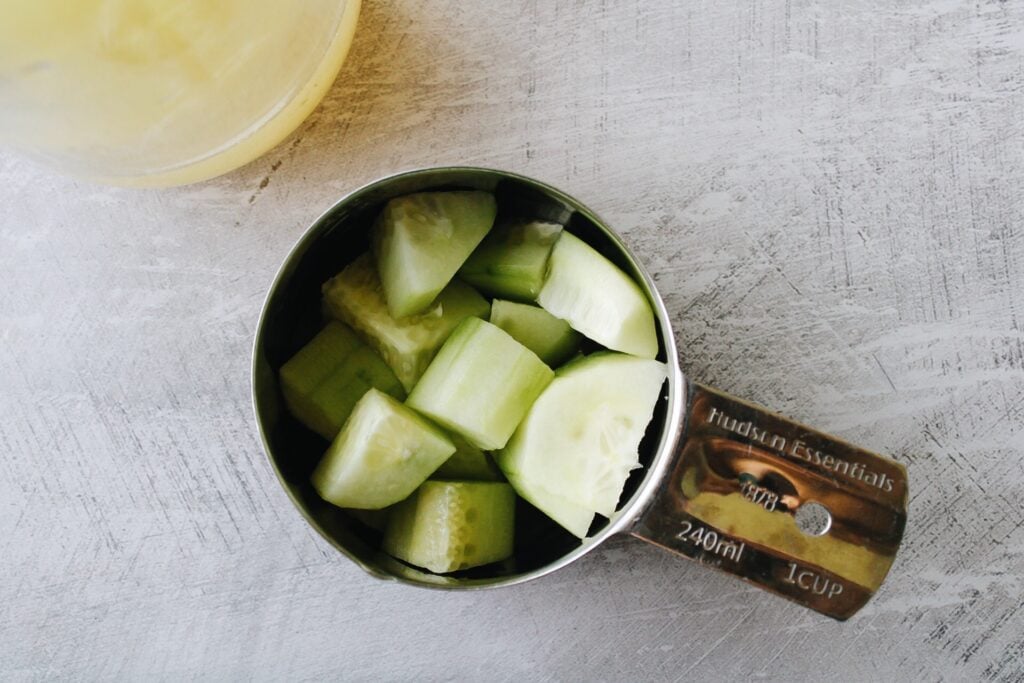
(480,384)
(322,382)
(468,462)
(407,345)
(579,441)
(512,261)
(597,299)
(381,455)
(361,371)
(567,440)
(572,517)
(547,336)
(450,525)
(422,239)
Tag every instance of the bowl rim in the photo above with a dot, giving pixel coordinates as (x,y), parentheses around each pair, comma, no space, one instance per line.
(625,517)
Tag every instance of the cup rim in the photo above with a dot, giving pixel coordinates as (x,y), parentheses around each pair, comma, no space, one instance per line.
(674,421)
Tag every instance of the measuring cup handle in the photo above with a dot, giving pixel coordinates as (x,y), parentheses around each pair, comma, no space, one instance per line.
(790,509)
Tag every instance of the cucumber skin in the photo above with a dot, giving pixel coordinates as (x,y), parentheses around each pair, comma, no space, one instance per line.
(446,526)
(470,216)
(323,381)
(551,338)
(355,296)
(505,378)
(545,452)
(357,472)
(512,261)
(598,299)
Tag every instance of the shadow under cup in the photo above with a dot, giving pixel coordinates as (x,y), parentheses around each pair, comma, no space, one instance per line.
(292,316)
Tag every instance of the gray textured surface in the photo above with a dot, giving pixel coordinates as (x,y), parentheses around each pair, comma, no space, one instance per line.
(829,194)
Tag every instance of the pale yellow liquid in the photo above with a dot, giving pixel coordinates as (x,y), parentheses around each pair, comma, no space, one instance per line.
(162,92)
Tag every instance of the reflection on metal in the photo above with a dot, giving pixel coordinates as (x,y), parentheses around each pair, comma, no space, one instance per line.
(785,507)
(813,519)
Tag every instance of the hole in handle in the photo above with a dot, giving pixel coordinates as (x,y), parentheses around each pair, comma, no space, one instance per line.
(813,519)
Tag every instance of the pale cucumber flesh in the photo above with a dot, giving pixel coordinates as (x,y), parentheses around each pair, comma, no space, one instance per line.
(480,384)
(362,370)
(407,345)
(580,439)
(468,462)
(574,518)
(597,299)
(551,338)
(422,239)
(447,526)
(322,382)
(512,261)
(382,453)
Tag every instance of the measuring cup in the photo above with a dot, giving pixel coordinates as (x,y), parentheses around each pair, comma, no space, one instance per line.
(722,481)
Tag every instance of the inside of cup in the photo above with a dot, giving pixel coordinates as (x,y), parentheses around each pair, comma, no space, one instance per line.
(292,316)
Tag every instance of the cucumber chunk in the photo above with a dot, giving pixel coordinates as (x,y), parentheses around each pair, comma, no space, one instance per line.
(450,525)
(579,441)
(547,336)
(512,261)
(408,344)
(572,517)
(422,239)
(322,382)
(380,456)
(596,298)
(468,462)
(480,384)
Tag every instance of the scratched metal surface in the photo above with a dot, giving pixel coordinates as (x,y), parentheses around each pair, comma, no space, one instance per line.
(829,194)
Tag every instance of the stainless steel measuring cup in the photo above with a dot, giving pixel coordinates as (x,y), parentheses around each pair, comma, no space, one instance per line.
(723,481)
